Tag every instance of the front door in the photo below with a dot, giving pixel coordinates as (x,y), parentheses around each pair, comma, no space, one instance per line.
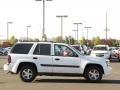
(65,60)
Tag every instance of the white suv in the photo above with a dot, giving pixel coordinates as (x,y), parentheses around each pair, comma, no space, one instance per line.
(30,59)
(100,51)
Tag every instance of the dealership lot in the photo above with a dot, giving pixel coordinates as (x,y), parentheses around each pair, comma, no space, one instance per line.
(12,82)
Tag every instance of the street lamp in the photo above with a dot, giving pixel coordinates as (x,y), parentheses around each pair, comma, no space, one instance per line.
(106,29)
(8,29)
(87,33)
(27,31)
(77,30)
(43,30)
(61,16)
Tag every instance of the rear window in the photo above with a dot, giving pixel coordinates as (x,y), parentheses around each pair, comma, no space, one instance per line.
(42,49)
(21,48)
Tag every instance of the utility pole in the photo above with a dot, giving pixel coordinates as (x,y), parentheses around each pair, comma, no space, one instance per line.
(87,34)
(8,29)
(77,30)
(43,29)
(28,31)
(106,29)
(61,16)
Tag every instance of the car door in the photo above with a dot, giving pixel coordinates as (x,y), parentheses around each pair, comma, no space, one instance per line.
(63,63)
(42,54)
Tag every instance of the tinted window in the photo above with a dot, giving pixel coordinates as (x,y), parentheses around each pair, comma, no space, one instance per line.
(42,49)
(21,48)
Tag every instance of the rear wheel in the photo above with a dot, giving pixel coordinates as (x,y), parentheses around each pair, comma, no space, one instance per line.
(93,74)
(28,73)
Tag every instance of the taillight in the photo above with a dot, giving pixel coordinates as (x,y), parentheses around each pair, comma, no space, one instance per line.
(9,59)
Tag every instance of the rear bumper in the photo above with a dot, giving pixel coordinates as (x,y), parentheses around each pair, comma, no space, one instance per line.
(6,67)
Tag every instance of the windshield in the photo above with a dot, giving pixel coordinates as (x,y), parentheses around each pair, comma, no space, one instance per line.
(100,48)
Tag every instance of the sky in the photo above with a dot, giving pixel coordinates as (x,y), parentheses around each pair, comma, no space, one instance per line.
(91,13)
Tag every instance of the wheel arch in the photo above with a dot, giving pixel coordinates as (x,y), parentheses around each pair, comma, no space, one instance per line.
(26,63)
(91,64)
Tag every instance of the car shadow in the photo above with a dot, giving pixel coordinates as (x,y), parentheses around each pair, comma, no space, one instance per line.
(75,81)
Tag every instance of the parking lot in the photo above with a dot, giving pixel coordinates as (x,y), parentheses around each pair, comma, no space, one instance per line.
(13,82)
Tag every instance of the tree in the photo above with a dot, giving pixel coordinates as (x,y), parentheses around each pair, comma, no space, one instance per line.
(97,40)
(57,39)
(36,40)
(83,41)
(72,40)
(69,40)
(45,37)
(13,40)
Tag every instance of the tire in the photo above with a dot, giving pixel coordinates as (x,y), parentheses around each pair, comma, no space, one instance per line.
(93,74)
(28,73)
(110,57)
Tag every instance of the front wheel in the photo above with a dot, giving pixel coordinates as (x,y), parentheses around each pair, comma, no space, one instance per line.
(93,74)
(27,73)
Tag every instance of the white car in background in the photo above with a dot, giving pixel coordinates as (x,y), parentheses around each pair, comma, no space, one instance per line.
(113,52)
(101,51)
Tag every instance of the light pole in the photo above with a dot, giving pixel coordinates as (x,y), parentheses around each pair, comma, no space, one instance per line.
(43,29)
(87,33)
(61,16)
(28,31)
(106,29)
(77,30)
(8,29)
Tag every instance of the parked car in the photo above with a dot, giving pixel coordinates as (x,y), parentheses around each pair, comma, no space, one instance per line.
(8,49)
(100,51)
(79,48)
(30,59)
(113,52)
(118,54)
(83,49)
(3,51)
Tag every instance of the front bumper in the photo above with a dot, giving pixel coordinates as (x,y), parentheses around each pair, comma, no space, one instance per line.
(107,71)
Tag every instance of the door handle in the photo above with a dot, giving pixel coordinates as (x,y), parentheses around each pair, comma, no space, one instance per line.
(35,58)
(57,59)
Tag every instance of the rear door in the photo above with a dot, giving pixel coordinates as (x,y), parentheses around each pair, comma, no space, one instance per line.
(42,53)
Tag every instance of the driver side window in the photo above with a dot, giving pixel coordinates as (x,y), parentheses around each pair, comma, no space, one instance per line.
(61,50)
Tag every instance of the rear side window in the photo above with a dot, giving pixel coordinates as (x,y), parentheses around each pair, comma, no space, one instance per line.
(42,49)
(21,48)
